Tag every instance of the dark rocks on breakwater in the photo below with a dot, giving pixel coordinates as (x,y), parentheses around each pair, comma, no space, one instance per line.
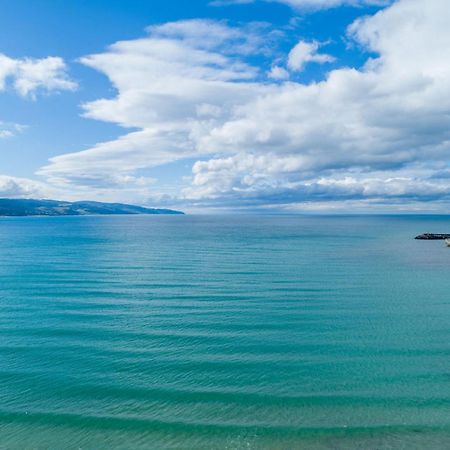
(432,237)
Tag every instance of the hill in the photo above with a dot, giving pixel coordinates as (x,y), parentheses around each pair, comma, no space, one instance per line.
(28,207)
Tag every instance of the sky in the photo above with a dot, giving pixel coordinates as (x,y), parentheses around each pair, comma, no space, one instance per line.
(228,105)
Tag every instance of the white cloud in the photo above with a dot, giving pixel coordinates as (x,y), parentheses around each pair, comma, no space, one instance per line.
(391,115)
(378,133)
(304,53)
(213,35)
(28,76)
(176,84)
(8,130)
(278,73)
(13,187)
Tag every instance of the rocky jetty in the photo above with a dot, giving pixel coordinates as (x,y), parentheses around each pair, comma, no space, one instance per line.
(432,237)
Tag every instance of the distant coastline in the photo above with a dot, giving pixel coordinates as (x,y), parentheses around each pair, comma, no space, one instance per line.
(32,207)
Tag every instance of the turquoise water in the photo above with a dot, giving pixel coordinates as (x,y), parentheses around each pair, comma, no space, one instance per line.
(224,332)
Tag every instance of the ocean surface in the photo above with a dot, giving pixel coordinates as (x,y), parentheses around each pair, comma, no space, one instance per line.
(224,332)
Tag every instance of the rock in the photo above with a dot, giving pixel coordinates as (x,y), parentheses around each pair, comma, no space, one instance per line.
(432,237)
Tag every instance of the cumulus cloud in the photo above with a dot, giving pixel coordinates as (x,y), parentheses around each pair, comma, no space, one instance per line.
(28,76)
(380,132)
(13,187)
(278,73)
(304,53)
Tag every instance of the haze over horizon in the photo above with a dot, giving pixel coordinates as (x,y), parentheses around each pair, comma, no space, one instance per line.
(283,105)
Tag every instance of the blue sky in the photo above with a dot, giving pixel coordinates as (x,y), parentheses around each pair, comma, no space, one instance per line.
(292,105)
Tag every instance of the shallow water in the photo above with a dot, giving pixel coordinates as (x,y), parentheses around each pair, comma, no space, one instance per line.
(224,332)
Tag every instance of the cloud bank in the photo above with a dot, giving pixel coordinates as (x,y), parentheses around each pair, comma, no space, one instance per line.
(190,90)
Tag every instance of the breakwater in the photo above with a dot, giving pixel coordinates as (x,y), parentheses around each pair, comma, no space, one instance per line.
(432,237)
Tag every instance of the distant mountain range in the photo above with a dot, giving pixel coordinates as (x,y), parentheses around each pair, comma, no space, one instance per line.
(26,207)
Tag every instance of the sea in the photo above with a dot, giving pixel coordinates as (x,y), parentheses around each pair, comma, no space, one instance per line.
(224,332)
